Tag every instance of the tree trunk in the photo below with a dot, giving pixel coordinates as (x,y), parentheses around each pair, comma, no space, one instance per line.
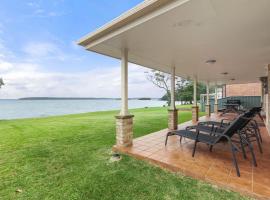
(168,98)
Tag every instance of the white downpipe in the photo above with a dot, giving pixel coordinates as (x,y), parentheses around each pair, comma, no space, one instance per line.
(207,94)
(195,91)
(216,95)
(124,82)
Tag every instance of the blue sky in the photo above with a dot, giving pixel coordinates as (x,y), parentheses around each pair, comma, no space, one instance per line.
(39,56)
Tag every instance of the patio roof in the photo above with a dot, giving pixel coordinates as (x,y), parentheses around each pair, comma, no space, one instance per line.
(160,34)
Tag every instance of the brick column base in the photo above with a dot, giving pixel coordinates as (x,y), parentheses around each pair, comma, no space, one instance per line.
(124,130)
(173,119)
(216,108)
(195,114)
(208,110)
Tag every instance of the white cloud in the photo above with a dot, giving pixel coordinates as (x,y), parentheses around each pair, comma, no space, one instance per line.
(55,14)
(25,79)
(1,28)
(46,50)
(39,11)
(4,52)
(32,4)
(5,66)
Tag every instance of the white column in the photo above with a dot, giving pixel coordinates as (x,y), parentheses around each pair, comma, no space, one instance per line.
(195,91)
(195,109)
(216,96)
(173,88)
(124,82)
(207,105)
(216,100)
(225,90)
(207,94)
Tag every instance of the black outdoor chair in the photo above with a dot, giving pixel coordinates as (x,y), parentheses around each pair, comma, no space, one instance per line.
(250,129)
(253,124)
(217,137)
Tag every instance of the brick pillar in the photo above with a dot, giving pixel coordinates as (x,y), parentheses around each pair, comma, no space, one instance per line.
(195,114)
(172,119)
(124,130)
(216,108)
(208,110)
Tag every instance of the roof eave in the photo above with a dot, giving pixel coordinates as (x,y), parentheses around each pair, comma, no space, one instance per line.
(126,18)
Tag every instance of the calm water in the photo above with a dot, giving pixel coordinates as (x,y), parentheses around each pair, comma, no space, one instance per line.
(14,109)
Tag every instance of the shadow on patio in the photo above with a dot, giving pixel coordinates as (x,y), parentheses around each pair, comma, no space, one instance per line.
(215,167)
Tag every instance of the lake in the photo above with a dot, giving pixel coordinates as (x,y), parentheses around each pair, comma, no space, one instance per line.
(16,109)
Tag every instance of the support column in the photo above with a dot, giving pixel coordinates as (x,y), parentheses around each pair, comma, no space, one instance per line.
(172,111)
(216,100)
(264,92)
(262,95)
(124,121)
(195,108)
(207,105)
(225,91)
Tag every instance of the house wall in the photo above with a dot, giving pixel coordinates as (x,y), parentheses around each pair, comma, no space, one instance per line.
(247,102)
(248,89)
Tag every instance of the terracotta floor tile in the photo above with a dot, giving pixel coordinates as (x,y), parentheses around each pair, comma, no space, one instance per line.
(198,170)
(244,181)
(218,173)
(262,190)
(215,166)
(145,153)
(245,166)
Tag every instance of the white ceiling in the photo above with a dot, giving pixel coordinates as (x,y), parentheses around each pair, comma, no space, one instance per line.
(234,32)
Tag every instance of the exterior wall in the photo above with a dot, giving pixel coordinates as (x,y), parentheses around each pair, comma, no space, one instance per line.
(248,89)
(246,101)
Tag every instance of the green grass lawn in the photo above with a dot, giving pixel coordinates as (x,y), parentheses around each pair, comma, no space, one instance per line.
(188,106)
(67,157)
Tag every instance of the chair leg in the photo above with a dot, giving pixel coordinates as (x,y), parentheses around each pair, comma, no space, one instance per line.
(257,129)
(180,139)
(242,145)
(194,148)
(260,135)
(261,117)
(235,161)
(250,146)
(168,134)
(243,149)
(211,148)
(258,141)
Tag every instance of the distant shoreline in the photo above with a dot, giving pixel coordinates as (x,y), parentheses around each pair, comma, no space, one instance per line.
(81,98)
(28,108)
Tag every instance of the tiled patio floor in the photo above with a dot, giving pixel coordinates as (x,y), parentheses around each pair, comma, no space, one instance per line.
(215,167)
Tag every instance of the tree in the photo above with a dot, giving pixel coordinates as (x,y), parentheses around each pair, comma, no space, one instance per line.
(1,82)
(161,80)
(184,87)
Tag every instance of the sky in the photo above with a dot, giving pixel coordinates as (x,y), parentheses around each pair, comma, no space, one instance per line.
(39,55)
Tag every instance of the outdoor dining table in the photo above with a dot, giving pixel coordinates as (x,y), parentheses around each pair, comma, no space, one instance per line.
(231,107)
